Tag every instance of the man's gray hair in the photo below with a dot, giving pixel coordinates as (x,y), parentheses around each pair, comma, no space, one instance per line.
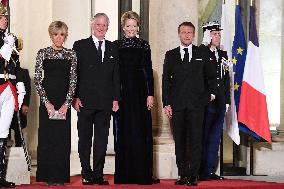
(100,15)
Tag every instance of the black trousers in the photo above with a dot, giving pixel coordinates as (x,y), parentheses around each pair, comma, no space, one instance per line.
(187,131)
(92,122)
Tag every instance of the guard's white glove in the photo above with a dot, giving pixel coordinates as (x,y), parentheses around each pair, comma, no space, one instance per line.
(7,49)
(21,93)
(206,38)
(227,63)
(227,107)
(212,97)
(9,39)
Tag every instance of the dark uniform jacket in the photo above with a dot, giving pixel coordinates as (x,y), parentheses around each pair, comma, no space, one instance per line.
(187,84)
(12,66)
(222,75)
(98,82)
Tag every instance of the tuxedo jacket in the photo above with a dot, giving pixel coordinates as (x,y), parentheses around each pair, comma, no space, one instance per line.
(222,76)
(98,82)
(187,85)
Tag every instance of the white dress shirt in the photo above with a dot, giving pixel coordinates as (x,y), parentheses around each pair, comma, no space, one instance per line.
(181,47)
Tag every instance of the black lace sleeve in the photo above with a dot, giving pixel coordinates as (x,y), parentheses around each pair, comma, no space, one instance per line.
(39,77)
(73,78)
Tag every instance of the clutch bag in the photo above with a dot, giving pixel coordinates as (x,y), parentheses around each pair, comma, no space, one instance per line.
(57,116)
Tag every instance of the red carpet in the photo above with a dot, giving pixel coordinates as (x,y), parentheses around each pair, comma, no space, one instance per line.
(165,184)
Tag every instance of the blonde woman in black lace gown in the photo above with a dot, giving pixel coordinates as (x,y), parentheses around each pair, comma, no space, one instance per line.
(55,81)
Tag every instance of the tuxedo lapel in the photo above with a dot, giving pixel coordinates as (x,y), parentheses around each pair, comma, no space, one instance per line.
(178,56)
(179,62)
(107,50)
(93,51)
(92,44)
(194,53)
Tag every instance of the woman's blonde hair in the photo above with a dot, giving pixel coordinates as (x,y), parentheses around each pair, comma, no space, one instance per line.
(129,15)
(57,26)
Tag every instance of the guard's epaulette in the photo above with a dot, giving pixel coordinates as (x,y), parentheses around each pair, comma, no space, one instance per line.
(19,43)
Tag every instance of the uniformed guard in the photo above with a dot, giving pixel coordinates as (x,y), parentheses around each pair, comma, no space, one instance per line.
(216,109)
(12,90)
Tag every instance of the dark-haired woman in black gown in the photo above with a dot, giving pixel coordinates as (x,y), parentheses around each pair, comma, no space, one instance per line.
(133,125)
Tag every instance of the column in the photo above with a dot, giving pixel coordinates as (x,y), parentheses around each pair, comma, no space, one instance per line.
(165,16)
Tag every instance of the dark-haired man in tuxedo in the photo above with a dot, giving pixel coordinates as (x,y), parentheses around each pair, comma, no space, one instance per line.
(96,97)
(188,85)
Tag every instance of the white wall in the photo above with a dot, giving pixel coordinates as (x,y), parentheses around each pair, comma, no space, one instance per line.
(270,34)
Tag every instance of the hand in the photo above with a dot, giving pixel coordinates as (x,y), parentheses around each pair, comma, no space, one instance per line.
(76,104)
(50,109)
(25,109)
(115,106)
(212,97)
(150,102)
(20,86)
(10,39)
(227,107)
(63,110)
(168,111)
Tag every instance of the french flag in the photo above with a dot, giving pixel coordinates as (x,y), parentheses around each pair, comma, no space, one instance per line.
(253,108)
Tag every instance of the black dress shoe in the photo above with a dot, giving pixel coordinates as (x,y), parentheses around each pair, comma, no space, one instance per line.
(59,183)
(213,176)
(6,184)
(100,181)
(181,181)
(192,181)
(87,181)
(155,181)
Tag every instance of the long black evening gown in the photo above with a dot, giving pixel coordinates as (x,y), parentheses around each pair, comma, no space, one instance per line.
(55,80)
(133,122)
